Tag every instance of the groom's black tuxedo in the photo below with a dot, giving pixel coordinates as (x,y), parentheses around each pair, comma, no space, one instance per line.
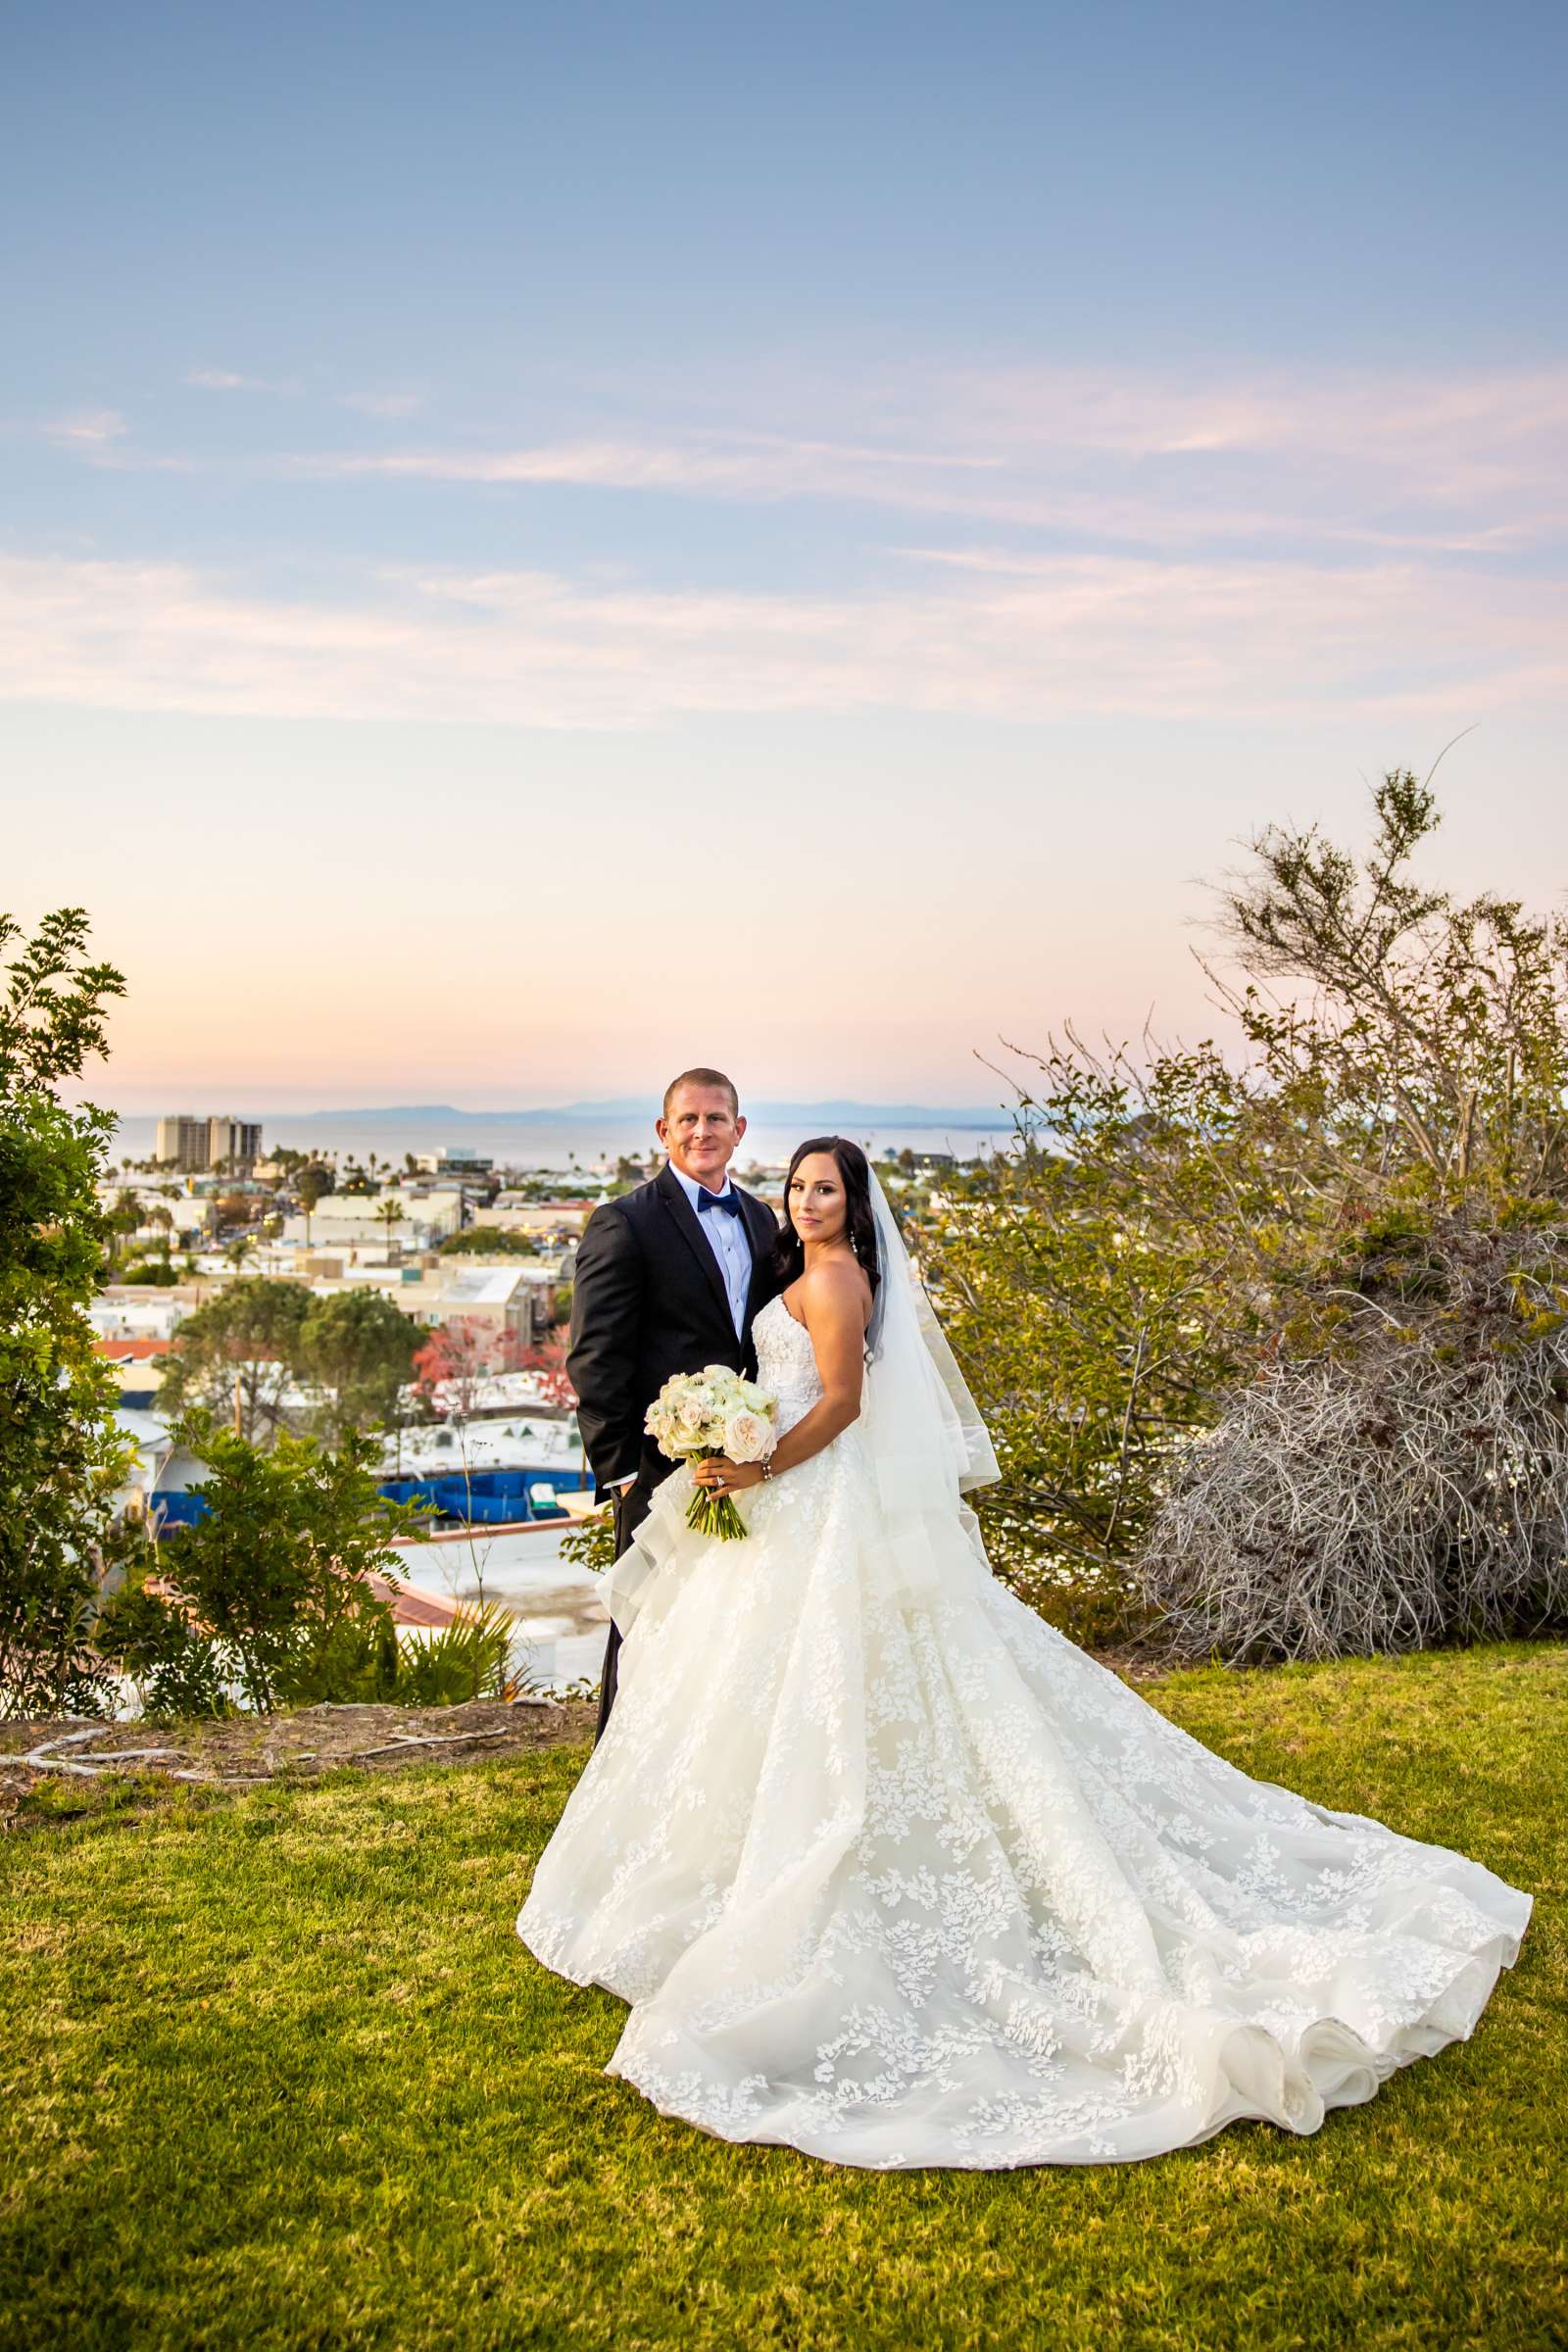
(647,1301)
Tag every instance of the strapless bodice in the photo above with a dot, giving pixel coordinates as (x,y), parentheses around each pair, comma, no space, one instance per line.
(786,1361)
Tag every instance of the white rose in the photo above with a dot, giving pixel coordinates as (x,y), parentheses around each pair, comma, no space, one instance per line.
(748,1436)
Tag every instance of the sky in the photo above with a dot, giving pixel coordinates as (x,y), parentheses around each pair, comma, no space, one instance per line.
(539,544)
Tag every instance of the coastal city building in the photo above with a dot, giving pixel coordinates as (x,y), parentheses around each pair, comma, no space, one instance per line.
(494,1299)
(182,1141)
(467,1249)
(512,1212)
(360,1220)
(453,1160)
(194,1145)
(233,1142)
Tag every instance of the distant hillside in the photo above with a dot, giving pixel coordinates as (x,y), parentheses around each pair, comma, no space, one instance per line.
(979,1117)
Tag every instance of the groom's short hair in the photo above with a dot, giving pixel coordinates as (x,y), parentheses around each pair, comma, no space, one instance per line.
(703,1078)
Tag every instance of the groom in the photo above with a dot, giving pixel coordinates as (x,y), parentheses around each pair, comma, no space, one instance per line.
(667,1279)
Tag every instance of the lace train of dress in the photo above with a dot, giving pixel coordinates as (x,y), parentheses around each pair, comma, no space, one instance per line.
(903,1886)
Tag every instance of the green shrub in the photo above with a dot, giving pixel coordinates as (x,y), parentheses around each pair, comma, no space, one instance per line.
(148,1270)
(61,1456)
(266,1601)
(468,1658)
(1172,1228)
(489,1240)
(591,1543)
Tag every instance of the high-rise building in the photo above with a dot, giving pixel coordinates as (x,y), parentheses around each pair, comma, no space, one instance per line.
(194,1145)
(183,1141)
(233,1139)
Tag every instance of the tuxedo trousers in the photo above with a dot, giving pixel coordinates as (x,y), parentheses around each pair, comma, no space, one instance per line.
(631,1509)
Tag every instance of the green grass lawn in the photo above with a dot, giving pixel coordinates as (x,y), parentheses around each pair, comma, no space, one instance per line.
(277,2072)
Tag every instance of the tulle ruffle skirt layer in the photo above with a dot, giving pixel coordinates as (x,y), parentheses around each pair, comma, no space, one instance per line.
(907,1884)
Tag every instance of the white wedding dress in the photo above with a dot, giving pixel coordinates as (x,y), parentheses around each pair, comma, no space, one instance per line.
(912,1881)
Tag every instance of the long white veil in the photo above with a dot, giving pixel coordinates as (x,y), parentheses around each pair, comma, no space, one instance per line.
(927,1442)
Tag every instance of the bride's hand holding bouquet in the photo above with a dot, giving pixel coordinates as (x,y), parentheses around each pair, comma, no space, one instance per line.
(728,1427)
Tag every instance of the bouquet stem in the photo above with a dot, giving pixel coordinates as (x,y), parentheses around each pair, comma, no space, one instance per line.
(714,1515)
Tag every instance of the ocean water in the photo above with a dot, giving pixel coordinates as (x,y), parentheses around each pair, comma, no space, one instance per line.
(584,1143)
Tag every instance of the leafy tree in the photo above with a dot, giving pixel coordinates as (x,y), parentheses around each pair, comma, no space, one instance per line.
(125,1219)
(360,1349)
(151,1271)
(489,1240)
(630,1172)
(452,1366)
(315,1183)
(1101,1284)
(61,1459)
(547,1361)
(1431,1050)
(1169,1228)
(267,1599)
(460,1354)
(245,1345)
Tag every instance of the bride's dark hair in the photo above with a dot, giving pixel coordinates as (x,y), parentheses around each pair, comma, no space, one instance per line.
(858,1223)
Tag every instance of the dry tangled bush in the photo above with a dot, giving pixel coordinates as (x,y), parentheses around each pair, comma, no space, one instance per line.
(1407,1488)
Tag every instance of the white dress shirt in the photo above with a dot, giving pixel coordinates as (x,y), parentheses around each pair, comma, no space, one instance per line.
(728,1240)
(730,1244)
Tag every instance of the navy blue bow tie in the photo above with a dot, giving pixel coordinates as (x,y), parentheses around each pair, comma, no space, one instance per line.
(727,1202)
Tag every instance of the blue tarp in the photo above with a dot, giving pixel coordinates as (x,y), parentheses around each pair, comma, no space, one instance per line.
(485,1497)
(181,1510)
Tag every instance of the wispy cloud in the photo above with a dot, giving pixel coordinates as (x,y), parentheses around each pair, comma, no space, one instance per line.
(746,466)
(1066,637)
(87,428)
(1346,462)
(388,404)
(230,379)
(1344,412)
(1462,466)
(383,403)
(1064,544)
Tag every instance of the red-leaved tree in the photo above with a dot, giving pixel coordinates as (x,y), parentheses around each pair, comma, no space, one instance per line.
(460,1355)
(451,1367)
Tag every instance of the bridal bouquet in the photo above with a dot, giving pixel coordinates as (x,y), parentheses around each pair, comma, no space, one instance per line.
(699,1415)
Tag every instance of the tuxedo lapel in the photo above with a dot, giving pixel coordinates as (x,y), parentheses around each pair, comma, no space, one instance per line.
(684,1219)
(761,1230)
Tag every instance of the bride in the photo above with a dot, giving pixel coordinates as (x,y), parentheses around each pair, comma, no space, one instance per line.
(892,1873)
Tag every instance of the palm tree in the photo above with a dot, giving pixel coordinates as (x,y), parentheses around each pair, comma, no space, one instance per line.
(311,1186)
(390,1214)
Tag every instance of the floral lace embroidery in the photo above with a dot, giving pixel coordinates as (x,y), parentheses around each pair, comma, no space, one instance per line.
(910,1886)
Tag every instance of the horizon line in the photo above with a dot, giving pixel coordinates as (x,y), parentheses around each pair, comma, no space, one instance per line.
(624,1106)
